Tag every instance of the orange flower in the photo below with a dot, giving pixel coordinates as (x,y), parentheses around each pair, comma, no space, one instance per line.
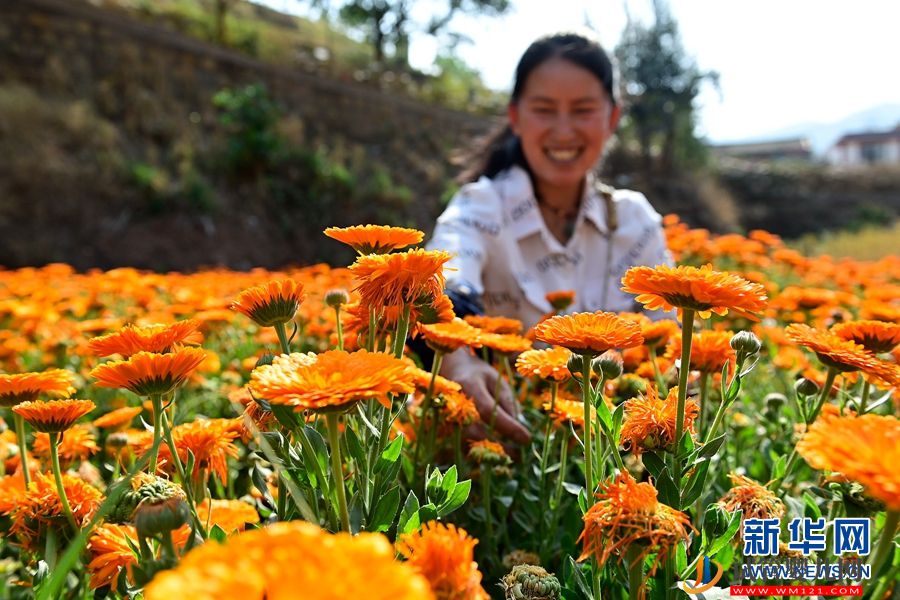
(272,303)
(627,513)
(567,409)
(650,422)
(488,453)
(710,350)
(875,336)
(12,491)
(754,500)
(41,507)
(336,379)
(657,333)
(560,300)
(457,409)
(230,515)
(843,355)
(375,239)
(551,364)
(132,339)
(589,333)
(447,337)
(444,555)
(211,441)
(117,419)
(401,277)
(26,387)
(275,562)
(703,290)
(505,343)
(495,324)
(110,553)
(148,374)
(865,449)
(53,416)
(76,445)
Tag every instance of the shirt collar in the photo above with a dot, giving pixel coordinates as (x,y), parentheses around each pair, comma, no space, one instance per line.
(521,207)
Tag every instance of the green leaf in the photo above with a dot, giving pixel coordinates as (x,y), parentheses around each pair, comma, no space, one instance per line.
(603,412)
(580,580)
(409,515)
(695,486)
(456,498)
(433,486)
(583,501)
(428,513)
(286,416)
(710,448)
(385,510)
(218,534)
(390,455)
(779,466)
(618,417)
(668,492)
(654,463)
(723,540)
(259,482)
(449,481)
(811,509)
(354,447)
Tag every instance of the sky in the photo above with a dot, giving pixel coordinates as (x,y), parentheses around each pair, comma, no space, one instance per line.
(781,62)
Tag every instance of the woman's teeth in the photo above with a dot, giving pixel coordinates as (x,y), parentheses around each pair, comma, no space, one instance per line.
(562,155)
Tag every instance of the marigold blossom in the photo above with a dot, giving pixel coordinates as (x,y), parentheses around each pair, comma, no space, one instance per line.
(447,337)
(589,333)
(755,501)
(494,324)
(551,364)
(274,562)
(336,379)
(41,508)
(26,387)
(444,555)
(650,421)
(843,355)
(710,350)
(272,303)
(76,445)
(146,373)
(865,449)
(230,515)
(159,338)
(401,277)
(53,416)
(119,418)
(110,553)
(628,514)
(375,239)
(875,336)
(701,289)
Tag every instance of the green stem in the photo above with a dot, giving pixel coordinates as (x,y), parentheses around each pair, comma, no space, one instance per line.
(57,475)
(340,327)
(179,468)
(488,518)
(425,408)
(886,542)
(336,467)
(23,448)
(156,401)
(687,331)
(660,382)
(865,397)
(282,338)
(545,453)
(457,449)
(402,331)
(635,566)
(370,337)
(588,449)
(497,384)
(704,402)
(823,396)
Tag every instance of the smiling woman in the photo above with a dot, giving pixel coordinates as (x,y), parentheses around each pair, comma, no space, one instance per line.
(532,219)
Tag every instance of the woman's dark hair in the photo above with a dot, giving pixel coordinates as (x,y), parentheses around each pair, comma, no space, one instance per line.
(502,149)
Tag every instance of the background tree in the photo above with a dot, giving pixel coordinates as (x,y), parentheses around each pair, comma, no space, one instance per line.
(660,83)
(388,23)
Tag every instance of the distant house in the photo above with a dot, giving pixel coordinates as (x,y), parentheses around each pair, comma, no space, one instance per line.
(866,148)
(774,150)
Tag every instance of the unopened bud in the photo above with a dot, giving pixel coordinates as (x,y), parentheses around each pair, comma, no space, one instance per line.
(806,387)
(153,517)
(745,343)
(715,521)
(775,401)
(608,365)
(336,298)
(575,364)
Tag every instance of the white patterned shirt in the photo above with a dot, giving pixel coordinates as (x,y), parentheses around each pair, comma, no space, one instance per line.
(505,255)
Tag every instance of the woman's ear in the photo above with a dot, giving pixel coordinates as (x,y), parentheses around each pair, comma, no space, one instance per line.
(614,115)
(512,114)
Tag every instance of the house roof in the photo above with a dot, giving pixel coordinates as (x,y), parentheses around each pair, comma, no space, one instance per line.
(869,137)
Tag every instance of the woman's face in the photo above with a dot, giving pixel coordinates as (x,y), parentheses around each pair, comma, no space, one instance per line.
(564,118)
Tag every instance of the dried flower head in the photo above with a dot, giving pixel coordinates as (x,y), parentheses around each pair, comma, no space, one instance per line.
(754,500)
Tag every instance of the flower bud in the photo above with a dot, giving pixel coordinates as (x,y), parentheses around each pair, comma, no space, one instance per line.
(774,402)
(745,344)
(336,298)
(155,516)
(575,364)
(806,387)
(608,365)
(715,521)
(527,582)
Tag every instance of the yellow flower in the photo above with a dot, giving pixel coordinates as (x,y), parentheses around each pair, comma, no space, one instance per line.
(589,333)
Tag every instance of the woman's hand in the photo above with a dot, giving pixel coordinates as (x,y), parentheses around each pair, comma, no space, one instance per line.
(479,380)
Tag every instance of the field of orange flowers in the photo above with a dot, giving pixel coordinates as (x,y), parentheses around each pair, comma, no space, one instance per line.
(272,435)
